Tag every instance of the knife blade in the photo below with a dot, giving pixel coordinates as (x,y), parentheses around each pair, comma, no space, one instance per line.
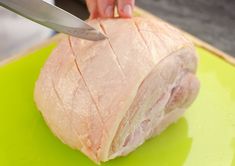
(53,17)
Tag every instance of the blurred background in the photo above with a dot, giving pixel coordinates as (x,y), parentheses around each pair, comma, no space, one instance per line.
(212,21)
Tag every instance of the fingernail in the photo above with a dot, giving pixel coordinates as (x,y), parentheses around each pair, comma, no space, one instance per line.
(127,10)
(109,11)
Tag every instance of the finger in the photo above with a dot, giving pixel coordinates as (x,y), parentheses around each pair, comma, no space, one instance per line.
(125,8)
(92,8)
(106,8)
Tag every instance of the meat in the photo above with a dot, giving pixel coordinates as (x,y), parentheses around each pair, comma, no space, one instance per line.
(107,97)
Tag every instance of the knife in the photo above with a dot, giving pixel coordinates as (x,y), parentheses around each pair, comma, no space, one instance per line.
(53,17)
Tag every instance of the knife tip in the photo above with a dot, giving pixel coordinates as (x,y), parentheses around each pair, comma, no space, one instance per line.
(90,34)
(100,36)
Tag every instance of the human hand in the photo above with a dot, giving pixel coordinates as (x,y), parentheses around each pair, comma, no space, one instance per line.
(105,8)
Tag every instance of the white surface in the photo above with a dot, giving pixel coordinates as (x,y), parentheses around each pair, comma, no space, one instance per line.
(18,33)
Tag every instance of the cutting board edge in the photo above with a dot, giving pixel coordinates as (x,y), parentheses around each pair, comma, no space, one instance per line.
(41,45)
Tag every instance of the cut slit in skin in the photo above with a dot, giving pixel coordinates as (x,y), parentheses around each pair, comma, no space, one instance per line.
(95,155)
(118,62)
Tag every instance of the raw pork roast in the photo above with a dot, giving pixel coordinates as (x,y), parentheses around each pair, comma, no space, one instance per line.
(107,97)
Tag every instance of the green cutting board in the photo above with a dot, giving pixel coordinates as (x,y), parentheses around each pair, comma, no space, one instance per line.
(204,136)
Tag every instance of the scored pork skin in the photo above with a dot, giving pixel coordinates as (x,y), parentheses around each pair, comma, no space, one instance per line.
(107,97)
